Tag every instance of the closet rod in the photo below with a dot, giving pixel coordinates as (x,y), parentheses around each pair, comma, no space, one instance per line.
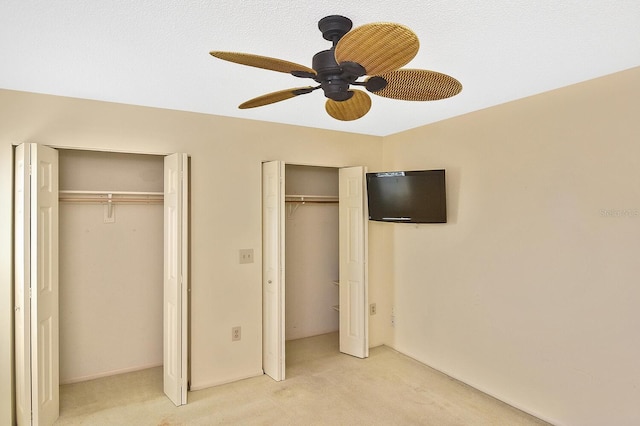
(112,200)
(310,202)
(87,192)
(326,199)
(110,197)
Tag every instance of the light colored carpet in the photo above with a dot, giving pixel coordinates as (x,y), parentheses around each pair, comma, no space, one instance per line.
(323,387)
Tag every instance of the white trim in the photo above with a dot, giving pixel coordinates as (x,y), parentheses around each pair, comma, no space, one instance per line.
(483,390)
(226,381)
(110,373)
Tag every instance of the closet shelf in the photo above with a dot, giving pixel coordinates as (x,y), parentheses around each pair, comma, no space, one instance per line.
(111,197)
(311,199)
(295,201)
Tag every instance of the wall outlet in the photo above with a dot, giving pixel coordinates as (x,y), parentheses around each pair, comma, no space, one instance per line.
(373,309)
(236,334)
(246,255)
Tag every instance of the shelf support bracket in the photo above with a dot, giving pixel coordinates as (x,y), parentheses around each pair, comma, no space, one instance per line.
(109,216)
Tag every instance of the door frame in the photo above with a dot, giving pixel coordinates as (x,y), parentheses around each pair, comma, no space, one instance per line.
(276,331)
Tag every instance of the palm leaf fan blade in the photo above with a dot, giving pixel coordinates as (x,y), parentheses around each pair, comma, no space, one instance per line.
(263,62)
(352,109)
(419,85)
(273,97)
(378,47)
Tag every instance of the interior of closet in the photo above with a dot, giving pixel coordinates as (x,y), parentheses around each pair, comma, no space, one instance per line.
(110,263)
(311,251)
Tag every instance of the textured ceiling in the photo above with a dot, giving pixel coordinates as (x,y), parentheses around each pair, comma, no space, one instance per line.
(155,52)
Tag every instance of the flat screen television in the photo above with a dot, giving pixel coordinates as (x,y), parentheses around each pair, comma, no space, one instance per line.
(407,196)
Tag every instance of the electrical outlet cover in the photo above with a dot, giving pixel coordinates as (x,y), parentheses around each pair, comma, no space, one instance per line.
(236,334)
(246,255)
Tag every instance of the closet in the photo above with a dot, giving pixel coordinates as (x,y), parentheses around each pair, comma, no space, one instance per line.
(110,263)
(312,251)
(286,315)
(101,271)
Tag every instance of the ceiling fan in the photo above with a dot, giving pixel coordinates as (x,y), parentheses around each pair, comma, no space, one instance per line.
(376,51)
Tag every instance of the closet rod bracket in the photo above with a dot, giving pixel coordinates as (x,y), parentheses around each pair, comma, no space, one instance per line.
(109,213)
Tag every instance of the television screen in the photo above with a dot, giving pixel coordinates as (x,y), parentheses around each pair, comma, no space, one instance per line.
(407,196)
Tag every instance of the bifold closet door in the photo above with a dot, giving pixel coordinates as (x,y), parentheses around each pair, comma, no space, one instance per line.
(354,338)
(175,300)
(273,297)
(36,285)
(354,323)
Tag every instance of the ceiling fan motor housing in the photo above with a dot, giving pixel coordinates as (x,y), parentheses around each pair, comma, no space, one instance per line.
(335,79)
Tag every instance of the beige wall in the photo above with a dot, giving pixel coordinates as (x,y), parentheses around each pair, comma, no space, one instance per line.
(531,291)
(311,253)
(110,274)
(226,156)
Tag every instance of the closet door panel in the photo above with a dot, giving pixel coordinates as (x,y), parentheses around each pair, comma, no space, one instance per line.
(36,285)
(353,267)
(175,278)
(44,285)
(273,322)
(22,279)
